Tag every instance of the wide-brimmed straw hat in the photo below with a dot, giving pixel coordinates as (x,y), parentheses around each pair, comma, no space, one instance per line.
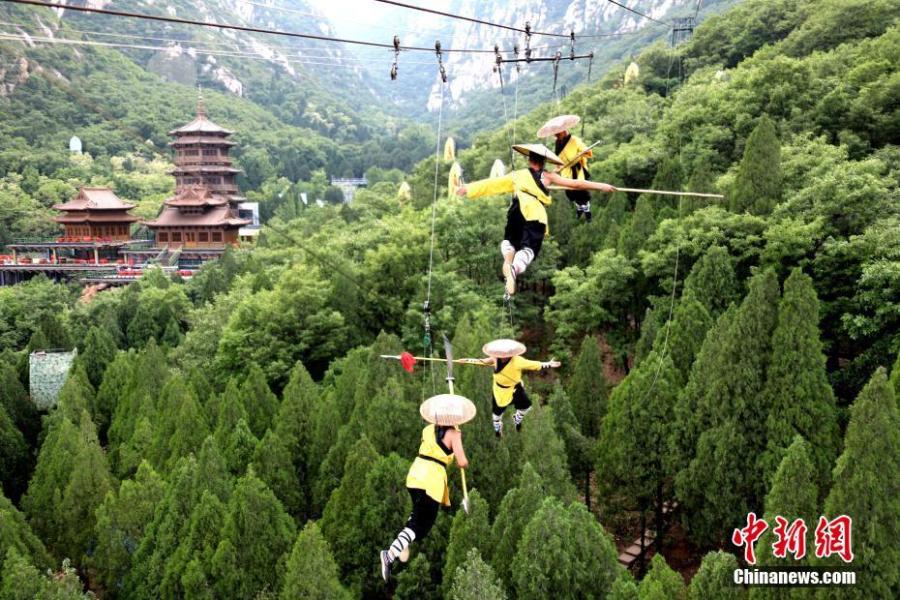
(558,124)
(503,348)
(447,410)
(540,150)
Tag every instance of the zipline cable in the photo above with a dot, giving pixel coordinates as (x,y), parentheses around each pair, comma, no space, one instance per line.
(640,14)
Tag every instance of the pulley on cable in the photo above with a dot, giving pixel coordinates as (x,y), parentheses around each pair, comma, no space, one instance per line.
(437,50)
(396,57)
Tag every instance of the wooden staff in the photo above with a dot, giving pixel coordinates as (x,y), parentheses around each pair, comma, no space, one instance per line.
(660,192)
(459,361)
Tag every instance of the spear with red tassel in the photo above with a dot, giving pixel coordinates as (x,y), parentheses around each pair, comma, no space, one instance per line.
(408,361)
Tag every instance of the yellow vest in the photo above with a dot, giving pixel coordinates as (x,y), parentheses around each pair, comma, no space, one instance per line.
(506,380)
(573,148)
(532,199)
(426,474)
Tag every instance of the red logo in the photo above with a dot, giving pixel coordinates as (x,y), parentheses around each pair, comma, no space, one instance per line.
(833,537)
(790,538)
(748,535)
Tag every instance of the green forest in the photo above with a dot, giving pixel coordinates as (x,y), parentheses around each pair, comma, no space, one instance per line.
(236,435)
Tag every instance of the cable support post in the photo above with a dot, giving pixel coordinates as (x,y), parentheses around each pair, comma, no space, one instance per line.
(527,41)
(440,57)
(516,53)
(396,57)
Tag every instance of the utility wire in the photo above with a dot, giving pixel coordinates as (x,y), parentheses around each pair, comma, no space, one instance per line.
(638,13)
(216,25)
(470,19)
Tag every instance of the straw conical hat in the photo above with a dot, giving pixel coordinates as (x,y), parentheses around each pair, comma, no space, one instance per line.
(447,410)
(504,348)
(557,124)
(540,150)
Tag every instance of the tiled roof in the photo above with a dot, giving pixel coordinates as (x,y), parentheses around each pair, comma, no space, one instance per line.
(97,198)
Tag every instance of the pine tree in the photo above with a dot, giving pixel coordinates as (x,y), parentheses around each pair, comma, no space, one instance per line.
(76,395)
(624,588)
(189,571)
(545,451)
(16,535)
(757,186)
(895,376)
(259,401)
(121,521)
(712,281)
(474,579)
(632,460)
(88,484)
(37,341)
(392,421)
(518,507)
(467,532)
(97,351)
(299,412)
(179,424)
(115,378)
(725,389)
(686,332)
(19,579)
(262,533)
(867,489)
(13,456)
(239,446)
(669,176)
(643,224)
(579,449)
(414,581)
(171,333)
(311,570)
(702,181)
(564,552)
(797,388)
(50,478)
(56,332)
(793,495)
(227,410)
(272,462)
(715,579)
(14,399)
(661,582)
(587,389)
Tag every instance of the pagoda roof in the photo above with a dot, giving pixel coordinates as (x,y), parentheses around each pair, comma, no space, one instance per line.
(201,124)
(96,218)
(95,198)
(197,168)
(186,140)
(195,195)
(217,215)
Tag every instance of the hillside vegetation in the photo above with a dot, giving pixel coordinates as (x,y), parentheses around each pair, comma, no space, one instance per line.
(237,436)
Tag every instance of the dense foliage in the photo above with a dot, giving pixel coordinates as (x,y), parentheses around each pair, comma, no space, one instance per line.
(238,436)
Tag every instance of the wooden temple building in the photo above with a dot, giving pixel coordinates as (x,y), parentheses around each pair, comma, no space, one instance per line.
(197,224)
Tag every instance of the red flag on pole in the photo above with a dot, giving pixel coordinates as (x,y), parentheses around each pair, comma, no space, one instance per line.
(407,361)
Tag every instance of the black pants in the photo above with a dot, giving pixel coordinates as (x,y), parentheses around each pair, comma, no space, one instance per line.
(424,512)
(521,233)
(520,401)
(579,197)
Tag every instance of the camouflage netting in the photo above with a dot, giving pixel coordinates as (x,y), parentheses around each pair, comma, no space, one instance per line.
(47,373)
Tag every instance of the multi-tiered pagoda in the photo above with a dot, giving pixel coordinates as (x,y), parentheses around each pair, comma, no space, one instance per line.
(96,213)
(203,213)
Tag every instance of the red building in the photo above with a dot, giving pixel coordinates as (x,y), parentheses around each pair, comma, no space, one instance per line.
(95,213)
(203,213)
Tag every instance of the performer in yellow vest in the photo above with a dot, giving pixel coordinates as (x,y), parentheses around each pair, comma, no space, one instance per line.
(526,219)
(575,153)
(506,357)
(427,486)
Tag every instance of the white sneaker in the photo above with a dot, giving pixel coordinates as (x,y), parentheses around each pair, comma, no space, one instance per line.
(385,565)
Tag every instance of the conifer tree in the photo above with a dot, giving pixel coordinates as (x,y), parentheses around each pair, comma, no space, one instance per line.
(115,378)
(624,588)
(179,424)
(686,333)
(414,581)
(643,223)
(50,478)
(239,446)
(545,451)
(14,399)
(259,401)
(715,579)
(96,352)
(895,376)
(19,579)
(76,395)
(311,570)
(564,552)
(669,176)
(712,281)
(468,531)
(272,462)
(88,484)
(757,186)
(793,495)
(37,341)
(632,459)
(579,448)
(13,456)
(727,395)
(392,421)
(121,521)
(295,423)
(256,524)
(474,579)
(797,388)
(587,388)
(516,510)
(189,571)
(139,447)
(867,489)
(661,582)
(227,409)
(16,535)
(56,332)
(171,333)
(703,181)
